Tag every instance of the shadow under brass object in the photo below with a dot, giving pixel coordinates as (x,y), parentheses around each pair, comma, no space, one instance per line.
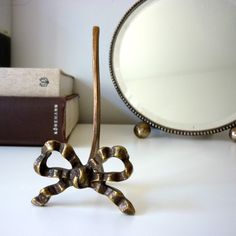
(91,174)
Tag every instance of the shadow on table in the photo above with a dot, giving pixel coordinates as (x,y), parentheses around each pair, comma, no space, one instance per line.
(218,136)
(146,200)
(142,196)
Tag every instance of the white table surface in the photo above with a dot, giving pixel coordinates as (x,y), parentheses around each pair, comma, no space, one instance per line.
(180,186)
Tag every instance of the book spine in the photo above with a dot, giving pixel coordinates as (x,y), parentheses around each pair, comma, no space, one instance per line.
(34,82)
(31,120)
(5,50)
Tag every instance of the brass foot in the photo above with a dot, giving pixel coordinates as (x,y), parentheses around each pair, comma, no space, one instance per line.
(232,134)
(142,130)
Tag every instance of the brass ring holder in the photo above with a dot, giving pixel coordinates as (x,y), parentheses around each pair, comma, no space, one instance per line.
(92,174)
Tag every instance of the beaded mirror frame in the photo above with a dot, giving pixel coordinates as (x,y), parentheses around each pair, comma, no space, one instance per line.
(143,129)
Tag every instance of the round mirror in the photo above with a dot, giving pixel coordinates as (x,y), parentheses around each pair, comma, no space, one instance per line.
(174,64)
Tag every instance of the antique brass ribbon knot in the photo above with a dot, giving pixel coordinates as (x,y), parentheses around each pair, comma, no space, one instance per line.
(82,176)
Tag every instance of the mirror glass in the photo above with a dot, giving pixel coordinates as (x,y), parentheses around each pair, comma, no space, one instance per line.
(174,62)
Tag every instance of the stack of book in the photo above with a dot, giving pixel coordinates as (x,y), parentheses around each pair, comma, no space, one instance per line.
(36,105)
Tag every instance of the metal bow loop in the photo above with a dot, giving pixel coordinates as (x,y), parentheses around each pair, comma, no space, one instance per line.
(40,165)
(106,153)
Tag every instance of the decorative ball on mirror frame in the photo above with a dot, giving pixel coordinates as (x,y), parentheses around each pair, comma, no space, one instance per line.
(142,130)
(232,134)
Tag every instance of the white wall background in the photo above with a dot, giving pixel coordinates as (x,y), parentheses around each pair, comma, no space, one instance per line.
(5,16)
(58,33)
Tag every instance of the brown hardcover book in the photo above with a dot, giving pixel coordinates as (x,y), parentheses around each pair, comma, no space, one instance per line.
(34,120)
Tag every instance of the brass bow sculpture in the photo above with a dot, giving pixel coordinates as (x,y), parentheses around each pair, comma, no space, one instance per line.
(92,174)
(82,176)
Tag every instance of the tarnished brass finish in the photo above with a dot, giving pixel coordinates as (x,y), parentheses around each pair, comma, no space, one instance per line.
(142,130)
(232,134)
(91,174)
(83,176)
